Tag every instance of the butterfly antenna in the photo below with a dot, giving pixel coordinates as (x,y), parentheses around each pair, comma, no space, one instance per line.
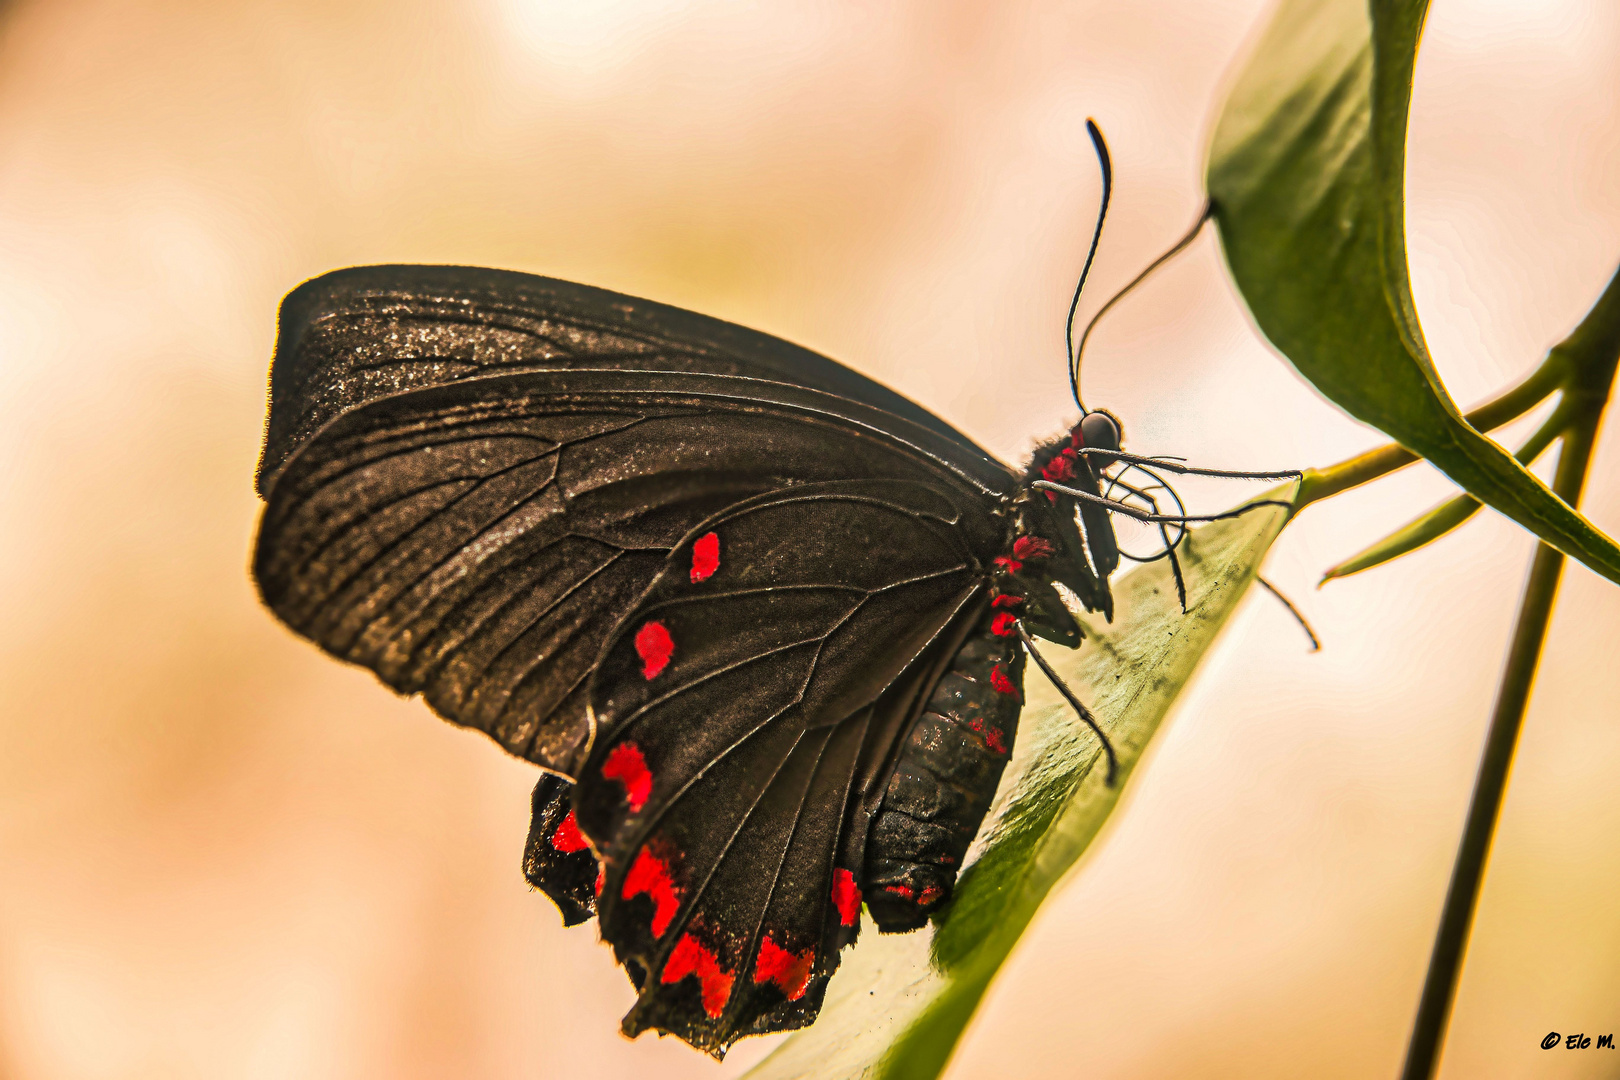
(1316,646)
(1176,249)
(1107,166)
(1074,702)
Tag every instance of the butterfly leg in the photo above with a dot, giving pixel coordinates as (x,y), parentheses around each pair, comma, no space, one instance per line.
(1075,703)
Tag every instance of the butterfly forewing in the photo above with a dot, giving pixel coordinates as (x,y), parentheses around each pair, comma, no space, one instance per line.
(477,542)
(358,335)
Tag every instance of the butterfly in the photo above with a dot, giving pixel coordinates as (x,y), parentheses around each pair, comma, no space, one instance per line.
(761,621)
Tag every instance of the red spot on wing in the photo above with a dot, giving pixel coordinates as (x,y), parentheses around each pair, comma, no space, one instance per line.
(691,957)
(790,971)
(649,874)
(568,838)
(655,647)
(626,765)
(1007,600)
(1005,624)
(1012,566)
(902,891)
(1000,681)
(929,895)
(846,897)
(1032,547)
(601,878)
(705,557)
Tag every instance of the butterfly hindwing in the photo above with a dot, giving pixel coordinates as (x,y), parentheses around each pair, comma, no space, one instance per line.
(738,708)
(557,859)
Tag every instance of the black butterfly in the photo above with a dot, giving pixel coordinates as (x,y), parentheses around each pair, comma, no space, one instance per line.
(761,620)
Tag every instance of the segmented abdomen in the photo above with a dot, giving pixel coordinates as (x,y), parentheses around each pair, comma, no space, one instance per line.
(945,779)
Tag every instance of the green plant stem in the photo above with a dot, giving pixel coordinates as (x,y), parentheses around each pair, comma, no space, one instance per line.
(1587,396)
(1448,515)
(1548,377)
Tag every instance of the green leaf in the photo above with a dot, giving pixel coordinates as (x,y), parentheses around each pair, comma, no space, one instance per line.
(1408,538)
(1306,173)
(899,1003)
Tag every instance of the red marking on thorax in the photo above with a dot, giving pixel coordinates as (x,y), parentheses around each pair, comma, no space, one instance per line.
(790,971)
(626,765)
(649,874)
(655,647)
(1000,681)
(691,957)
(1005,624)
(1012,566)
(568,838)
(1032,547)
(846,897)
(705,557)
(1007,600)
(1060,468)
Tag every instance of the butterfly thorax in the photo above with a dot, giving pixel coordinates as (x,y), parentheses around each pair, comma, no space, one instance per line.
(947,772)
(1058,539)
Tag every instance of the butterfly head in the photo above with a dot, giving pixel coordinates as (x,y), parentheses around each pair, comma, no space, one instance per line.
(1097,430)
(1067,457)
(1086,550)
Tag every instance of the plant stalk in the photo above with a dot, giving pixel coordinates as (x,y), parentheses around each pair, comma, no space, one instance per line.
(1549,376)
(1450,514)
(1529,634)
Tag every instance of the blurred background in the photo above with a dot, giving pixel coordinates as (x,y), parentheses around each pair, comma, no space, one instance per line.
(224,855)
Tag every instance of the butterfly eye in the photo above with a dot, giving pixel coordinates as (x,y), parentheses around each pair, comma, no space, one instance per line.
(1100,430)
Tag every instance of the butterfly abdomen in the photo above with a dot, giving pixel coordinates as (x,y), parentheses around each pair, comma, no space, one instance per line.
(944,780)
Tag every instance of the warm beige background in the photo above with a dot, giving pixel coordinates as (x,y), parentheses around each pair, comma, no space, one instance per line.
(226,856)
